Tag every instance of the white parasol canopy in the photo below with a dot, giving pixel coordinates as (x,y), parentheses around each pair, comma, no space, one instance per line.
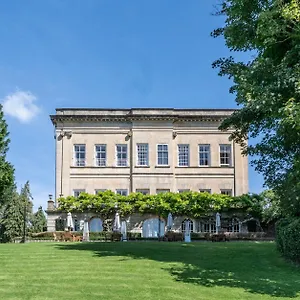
(218,222)
(70,223)
(124,231)
(86,232)
(117,222)
(170,221)
(187,233)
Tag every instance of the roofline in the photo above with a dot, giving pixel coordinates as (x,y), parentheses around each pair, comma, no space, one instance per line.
(146,108)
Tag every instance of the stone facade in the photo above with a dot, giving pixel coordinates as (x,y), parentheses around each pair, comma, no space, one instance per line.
(151,127)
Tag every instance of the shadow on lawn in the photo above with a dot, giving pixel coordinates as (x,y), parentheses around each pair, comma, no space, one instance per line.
(255,267)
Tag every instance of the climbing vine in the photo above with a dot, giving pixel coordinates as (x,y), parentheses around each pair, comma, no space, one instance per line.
(192,204)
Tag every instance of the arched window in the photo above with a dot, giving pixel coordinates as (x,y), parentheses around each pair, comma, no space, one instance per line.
(96,225)
(209,225)
(234,225)
(183,225)
(150,228)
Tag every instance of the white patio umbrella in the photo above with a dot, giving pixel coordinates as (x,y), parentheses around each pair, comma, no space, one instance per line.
(187,233)
(70,224)
(86,232)
(170,222)
(218,222)
(124,231)
(117,223)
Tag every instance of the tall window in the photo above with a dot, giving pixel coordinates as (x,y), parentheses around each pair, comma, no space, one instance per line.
(225,155)
(122,192)
(226,192)
(204,155)
(100,155)
(79,155)
(142,155)
(234,225)
(121,155)
(77,192)
(162,155)
(183,225)
(209,225)
(183,155)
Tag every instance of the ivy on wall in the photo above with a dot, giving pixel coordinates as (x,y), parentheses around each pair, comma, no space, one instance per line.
(191,204)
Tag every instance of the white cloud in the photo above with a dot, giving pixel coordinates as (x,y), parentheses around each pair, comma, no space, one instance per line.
(21,106)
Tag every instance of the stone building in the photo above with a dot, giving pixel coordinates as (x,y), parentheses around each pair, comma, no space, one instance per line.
(144,150)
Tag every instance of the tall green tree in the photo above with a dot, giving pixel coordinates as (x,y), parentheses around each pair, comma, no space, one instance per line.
(6,169)
(16,216)
(267,88)
(38,221)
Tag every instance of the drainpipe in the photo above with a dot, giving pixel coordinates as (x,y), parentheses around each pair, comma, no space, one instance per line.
(234,175)
(131,161)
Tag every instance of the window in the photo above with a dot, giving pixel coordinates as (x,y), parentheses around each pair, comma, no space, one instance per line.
(225,155)
(204,155)
(143,191)
(100,155)
(121,155)
(209,226)
(162,191)
(99,191)
(234,225)
(183,155)
(162,155)
(183,191)
(79,155)
(122,192)
(205,191)
(142,155)
(183,225)
(76,193)
(226,192)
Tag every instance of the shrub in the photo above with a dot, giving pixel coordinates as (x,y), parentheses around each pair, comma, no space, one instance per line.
(288,238)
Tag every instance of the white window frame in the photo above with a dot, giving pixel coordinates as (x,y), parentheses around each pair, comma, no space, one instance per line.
(143,191)
(227,192)
(142,155)
(123,162)
(205,191)
(78,192)
(162,191)
(204,151)
(100,162)
(99,190)
(122,192)
(186,161)
(226,146)
(162,151)
(79,162)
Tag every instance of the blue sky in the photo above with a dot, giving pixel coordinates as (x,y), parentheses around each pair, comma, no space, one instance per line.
(93,53)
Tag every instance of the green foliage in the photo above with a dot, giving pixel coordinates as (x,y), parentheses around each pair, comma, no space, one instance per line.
(6,169)
(192,204)
(38,221)
(267,88)
(16,212)
(288,238)
(271,210)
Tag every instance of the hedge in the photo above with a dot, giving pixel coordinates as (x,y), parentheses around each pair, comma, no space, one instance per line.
(288,238)
(192,204)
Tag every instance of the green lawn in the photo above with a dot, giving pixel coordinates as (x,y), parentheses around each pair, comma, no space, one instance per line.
(146,270)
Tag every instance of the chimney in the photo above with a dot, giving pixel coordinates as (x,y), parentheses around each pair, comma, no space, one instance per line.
(50,203)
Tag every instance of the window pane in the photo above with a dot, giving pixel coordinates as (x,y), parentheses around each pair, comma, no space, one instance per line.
(79,155)
(204,155)
(225,154)
(142,154)
(162,155)
(183,155)
(121,155)
(100,152)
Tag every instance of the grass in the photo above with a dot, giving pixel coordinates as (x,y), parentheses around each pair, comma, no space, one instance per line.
(146,270)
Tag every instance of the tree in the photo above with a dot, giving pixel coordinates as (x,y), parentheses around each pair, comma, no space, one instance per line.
(16,215)
(6,169)
(267,89)
(38,220)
